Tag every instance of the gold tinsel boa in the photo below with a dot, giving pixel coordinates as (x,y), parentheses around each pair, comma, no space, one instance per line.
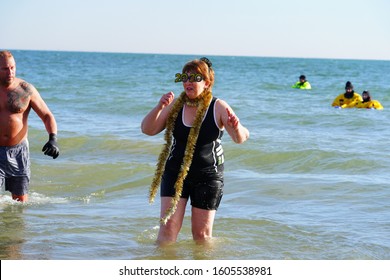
(204,102)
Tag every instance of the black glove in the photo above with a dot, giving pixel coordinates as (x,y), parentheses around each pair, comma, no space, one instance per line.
(51,147)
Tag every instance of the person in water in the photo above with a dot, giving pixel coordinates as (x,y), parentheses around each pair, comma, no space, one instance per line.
(367,103)
(302,83)
(17,98)
(348,99)
(191,163)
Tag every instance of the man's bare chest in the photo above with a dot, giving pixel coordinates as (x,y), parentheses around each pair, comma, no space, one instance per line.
(16,100)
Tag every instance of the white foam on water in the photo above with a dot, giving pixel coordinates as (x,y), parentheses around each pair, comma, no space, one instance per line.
(33,199)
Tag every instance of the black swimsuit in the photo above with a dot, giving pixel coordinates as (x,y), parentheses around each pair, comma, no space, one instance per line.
(204,181)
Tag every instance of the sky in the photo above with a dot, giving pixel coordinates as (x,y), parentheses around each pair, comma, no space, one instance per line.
(345,29)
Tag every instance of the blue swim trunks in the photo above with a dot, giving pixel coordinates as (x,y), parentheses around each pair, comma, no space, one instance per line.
(15,168)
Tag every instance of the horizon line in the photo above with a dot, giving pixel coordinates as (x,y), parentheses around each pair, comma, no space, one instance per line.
(189,54)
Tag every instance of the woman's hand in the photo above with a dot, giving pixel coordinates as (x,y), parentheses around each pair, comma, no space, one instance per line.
(233,120)
(154,122)
(167,99)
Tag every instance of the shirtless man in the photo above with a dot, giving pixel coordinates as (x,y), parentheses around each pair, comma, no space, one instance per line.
(17,97)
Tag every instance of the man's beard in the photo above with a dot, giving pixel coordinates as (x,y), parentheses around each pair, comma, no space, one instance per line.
(6,82)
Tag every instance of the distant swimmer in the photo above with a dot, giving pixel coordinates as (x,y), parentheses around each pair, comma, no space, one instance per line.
(348,99)
(367,103)
(302,83)
(17,98)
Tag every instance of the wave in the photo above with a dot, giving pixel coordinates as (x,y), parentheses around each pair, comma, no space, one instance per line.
(34,200)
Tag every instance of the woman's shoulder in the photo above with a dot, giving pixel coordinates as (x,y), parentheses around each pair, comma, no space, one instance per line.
(220,107)
(221,103)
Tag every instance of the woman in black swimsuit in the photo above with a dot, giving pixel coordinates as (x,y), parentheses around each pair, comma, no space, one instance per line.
(191,163)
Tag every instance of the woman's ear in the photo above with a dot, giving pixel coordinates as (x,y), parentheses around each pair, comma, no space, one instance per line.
(206,84)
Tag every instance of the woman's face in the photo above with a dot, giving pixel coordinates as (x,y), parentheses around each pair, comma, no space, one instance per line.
(193,88)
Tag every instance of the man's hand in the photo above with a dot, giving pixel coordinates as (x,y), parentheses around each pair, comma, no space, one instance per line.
(51,147)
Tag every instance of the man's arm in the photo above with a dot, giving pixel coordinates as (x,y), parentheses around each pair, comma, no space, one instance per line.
(39,106)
